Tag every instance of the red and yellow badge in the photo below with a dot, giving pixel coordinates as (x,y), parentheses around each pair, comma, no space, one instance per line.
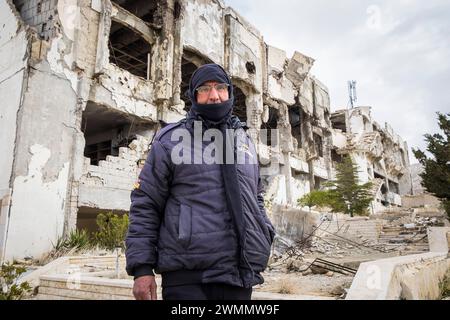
(137,184)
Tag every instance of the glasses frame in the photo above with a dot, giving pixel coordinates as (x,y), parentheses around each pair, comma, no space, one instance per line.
(211,87)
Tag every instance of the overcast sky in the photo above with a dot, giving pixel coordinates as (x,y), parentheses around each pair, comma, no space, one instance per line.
(398,51)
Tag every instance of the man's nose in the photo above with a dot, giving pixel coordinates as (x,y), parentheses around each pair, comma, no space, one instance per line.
(214,95)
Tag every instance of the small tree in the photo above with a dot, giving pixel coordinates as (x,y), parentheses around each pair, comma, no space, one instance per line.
(346,194)
(316,198)
(9,288)
(112,230)
(436,174)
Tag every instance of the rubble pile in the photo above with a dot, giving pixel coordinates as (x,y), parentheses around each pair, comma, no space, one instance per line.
(412,221)
(296,257)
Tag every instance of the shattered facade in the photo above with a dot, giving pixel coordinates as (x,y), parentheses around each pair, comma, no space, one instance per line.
(379,153)
(86,84)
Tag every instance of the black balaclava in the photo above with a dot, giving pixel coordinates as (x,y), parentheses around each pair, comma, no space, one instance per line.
(217,111)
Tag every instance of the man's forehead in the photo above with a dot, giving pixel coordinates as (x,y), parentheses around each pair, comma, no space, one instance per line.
(210,82)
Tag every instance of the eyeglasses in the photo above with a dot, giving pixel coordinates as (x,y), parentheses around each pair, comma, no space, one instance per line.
(206,89)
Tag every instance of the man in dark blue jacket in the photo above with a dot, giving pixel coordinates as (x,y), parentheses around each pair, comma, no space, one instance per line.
(201,224)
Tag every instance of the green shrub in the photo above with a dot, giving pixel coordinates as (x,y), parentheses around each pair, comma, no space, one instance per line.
(78,240)
(435,161)
(318,198)
(59,245)
(112,230)
(446,207)
(9,289)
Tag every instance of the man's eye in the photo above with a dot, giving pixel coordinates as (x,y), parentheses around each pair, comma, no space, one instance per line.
(203,89)
(221,87)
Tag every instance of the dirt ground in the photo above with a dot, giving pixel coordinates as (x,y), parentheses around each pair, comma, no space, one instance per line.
(329,284)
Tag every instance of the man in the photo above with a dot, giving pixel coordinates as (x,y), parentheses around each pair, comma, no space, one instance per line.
(203,227)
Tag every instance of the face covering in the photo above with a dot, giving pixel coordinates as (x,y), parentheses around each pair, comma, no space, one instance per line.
(216,112)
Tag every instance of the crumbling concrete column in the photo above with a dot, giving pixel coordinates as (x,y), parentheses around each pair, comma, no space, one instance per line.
(162,53)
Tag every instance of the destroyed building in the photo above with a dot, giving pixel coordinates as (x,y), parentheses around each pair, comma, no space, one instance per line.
(380,154)
(85,84)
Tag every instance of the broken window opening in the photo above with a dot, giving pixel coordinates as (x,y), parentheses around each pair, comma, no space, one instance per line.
(250,66)
(177,10)
(318,144)
(383,186)
(128,50)
(394,187)
(370,172)
(300,176)
(270,125)
(87,218)
(106,130)
(335,157)
(295,120)
(19,4)
(187,69)
(143,9)
(38,15)
(338,121)
(327,117)
(240,107)
(318,182)
(367,125)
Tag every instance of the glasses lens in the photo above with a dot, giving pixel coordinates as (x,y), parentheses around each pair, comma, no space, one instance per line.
(222,86)
(203,89)
(207,89)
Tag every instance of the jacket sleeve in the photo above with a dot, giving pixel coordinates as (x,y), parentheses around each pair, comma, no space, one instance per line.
(148,201)
(260,196)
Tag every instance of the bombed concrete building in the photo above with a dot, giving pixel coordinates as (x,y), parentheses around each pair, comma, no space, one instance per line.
(85,84)
(380,154)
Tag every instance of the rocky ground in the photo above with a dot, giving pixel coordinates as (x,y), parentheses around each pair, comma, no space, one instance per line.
(296,283)
(290,270)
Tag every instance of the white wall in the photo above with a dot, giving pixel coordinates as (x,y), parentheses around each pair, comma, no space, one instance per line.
(202,28)
(362,163)
(13,59)
(46,129)
(13,48)
(37,211)
(245,45)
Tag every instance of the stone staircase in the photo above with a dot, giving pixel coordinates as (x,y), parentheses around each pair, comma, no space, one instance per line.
(63,287)
(406,230)
(405,239)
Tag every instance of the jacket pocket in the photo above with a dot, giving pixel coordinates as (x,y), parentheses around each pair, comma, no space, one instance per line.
(264,228)
(185,225)
(257,249)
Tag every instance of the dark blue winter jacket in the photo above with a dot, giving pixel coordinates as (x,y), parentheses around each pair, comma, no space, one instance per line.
(180,225)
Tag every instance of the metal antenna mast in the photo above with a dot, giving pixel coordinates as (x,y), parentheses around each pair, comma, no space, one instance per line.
(352,93)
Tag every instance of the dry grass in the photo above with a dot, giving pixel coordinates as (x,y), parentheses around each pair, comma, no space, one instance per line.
(286,286)
(445,286)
